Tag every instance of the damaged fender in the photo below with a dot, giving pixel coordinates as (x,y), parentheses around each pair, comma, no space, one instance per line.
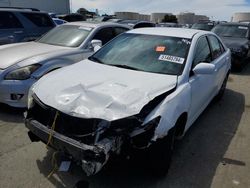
(170,110)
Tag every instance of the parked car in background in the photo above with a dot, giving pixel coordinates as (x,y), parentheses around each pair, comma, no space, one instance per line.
(102,18)
(23,64)
(115,20)
(23,24)
(236,36)
(59,21)
(139,92)
(134,24)
(167,24)
(206,26)
(52,15)
(74,17)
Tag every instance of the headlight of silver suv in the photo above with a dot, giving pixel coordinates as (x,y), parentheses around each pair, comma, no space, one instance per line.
(23,73)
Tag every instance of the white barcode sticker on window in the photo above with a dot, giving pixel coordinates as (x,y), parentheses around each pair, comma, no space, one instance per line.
(242,27)
(170,58)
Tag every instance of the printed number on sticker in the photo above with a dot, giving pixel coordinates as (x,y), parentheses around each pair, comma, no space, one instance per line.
(170,58)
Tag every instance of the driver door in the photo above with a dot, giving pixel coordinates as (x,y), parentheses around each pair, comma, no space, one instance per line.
(202,85)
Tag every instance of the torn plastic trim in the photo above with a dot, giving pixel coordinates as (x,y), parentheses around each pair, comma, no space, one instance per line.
(141,138)
(151,105)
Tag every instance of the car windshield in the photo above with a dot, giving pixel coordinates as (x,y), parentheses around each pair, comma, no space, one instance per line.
(149,53)
(66,35)
(202,26)
(237,31)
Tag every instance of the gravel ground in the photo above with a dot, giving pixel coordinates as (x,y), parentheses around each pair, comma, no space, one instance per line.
(215,152)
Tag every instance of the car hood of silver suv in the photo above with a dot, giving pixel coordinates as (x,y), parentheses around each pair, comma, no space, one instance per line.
(14,53)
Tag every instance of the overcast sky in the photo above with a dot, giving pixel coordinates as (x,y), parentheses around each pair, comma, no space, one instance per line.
(215,9)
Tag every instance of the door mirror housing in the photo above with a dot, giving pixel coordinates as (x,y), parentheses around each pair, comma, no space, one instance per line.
(204,68)
(96,44)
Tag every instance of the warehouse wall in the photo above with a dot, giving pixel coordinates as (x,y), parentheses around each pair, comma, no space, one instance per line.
(57,6)
(241,17)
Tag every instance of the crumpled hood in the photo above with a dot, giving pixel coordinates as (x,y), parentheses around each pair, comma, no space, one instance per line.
(14,53)
(92,90)
(234,43)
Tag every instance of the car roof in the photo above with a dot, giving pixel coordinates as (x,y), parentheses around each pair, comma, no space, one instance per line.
(235,23)
(30,10)
(164,31)
(94,24)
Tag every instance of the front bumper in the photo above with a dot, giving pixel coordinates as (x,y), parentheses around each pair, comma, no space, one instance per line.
(15,87)
(239,60)
(92,157)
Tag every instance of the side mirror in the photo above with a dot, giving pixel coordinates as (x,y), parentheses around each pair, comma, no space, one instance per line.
(204,68)
(96,45)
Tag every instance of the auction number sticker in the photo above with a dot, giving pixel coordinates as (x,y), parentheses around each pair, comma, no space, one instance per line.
(170,58)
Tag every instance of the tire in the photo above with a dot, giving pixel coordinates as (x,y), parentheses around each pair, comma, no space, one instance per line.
(222,89)
(160,154)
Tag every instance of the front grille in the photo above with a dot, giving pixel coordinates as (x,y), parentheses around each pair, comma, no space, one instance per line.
(77,128)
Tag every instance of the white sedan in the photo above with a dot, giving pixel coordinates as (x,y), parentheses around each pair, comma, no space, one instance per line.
(141,90)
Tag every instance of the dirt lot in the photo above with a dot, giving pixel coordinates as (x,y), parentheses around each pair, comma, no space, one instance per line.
(214,153)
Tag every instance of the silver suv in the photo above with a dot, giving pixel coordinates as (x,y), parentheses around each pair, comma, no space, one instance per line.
(22,25)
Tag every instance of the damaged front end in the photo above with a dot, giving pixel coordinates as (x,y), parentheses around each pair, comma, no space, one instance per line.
(89,142)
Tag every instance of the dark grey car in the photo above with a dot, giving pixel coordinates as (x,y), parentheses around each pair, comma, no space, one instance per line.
(22,25)
(236,36)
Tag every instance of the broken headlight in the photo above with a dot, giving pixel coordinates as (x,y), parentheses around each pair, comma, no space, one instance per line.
(30,98)
(23,73)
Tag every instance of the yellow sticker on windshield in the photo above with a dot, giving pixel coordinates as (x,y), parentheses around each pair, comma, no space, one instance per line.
(172,59)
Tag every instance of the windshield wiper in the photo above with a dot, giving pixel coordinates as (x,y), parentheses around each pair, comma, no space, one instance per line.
(125,67)
(95,59)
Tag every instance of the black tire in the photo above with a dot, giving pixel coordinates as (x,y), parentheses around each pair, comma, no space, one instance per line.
(160,154)
(222,89)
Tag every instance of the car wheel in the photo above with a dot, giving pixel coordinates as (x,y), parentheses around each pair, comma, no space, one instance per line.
(160,154)
(222,89)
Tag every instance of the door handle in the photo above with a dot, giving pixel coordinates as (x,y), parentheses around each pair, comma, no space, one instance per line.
(18,32)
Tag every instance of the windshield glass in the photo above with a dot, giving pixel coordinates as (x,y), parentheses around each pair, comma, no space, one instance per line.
(231,31)
(149,53)
(66,35)
(202,26)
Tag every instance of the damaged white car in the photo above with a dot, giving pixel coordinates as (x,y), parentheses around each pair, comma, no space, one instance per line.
(140,91)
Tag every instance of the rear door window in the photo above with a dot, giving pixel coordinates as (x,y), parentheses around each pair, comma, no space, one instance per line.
(9,21)
(105,35)
(120,30)
(202,52)
(215,47)
(40,20)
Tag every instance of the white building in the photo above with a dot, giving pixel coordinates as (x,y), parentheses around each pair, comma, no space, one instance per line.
(241,17)
(56,6)
(190,18)
(127,15)
(132,16)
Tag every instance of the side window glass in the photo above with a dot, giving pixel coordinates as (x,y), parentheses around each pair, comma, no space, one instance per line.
(202,52)
(222,48)
(215,47)
(119,30)
(105,35)
(9,21)
(40,20)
